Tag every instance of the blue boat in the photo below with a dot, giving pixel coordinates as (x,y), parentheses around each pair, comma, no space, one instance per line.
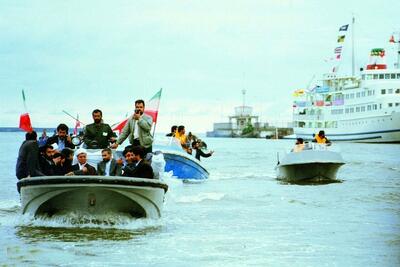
(183,165)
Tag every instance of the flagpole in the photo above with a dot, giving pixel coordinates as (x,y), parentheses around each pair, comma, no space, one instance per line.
(352,47)
(154,129)
(77,119)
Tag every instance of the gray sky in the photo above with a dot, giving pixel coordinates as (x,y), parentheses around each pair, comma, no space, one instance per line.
(82,55)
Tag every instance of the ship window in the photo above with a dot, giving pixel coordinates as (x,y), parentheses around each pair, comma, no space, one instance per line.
(351,110)
(383,91)
(387,76)
(363,76)
(363,93)
(381,76)
(397,104)
(393,76)
(390,91)
(369,92)
(352,95)
(369,107)
(347,110)
(362,109)
(375,76)
(390,105)
(398,75)
(397,91)
(380,106)
(357,109)
(375,106)
(358,94)
(369,77)
(347,96)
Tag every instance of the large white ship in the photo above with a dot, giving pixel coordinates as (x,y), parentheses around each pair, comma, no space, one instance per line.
(359,108)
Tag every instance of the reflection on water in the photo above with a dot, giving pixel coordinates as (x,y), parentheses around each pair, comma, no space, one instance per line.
(66,234)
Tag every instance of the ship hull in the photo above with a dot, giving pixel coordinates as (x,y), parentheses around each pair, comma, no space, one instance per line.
(378,129)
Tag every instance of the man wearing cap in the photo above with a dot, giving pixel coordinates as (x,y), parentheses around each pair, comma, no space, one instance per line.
(98,134)
(82,167)
(138,129)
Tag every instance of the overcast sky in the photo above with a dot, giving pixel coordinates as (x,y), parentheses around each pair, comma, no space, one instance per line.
(81,55)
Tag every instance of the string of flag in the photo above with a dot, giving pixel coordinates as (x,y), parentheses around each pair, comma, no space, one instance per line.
(339,49)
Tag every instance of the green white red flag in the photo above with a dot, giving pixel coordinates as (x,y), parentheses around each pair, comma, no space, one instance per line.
(151,109)
(24,120)
(152,106)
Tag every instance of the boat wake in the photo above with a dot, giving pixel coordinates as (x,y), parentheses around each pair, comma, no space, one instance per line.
(200,197)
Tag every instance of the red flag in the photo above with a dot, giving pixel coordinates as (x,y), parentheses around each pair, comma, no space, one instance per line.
(25,122)
(391,39)
(77,125)
(120,126)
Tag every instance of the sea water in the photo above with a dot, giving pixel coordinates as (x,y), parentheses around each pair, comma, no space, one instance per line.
(240,216)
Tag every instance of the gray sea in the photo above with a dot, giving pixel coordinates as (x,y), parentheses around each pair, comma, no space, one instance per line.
(240,216)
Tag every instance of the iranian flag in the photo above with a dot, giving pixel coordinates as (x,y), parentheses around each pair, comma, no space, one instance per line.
(151,109)
(152,105)
(24,120)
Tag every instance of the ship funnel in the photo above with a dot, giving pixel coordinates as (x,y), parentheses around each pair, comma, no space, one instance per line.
(377,59)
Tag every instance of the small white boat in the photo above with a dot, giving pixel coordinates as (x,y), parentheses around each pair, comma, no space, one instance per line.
(92,195)
(316,163)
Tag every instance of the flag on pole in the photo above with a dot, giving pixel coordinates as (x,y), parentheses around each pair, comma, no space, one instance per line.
(120,126)
(25,122)
(341,38)
(77,124)
(152,106)
(392,39)
(151,109)
(344,27)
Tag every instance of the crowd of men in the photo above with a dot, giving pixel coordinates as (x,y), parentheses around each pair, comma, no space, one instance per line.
(190,143)
(55,155)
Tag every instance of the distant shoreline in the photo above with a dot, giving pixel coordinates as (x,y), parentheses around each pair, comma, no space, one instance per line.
(16,129)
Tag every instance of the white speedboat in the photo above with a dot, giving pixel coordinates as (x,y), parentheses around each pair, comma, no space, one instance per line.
(316,163)
(92,195)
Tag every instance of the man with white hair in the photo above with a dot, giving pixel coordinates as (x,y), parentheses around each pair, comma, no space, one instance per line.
(82,167)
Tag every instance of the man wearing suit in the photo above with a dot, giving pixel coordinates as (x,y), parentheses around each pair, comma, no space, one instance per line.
(109,166)
(62,139)
(139,167)
(82,167)
(138,129)
(28,158)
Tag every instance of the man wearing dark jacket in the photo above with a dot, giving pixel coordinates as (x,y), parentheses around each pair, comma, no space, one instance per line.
(98,134)
(108,166)
(28,158)
(82,167)
(46,160)
(139,167)
(62,139)
(199,152)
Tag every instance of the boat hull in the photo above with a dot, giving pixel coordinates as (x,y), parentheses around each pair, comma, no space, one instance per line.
(310,165)
(92,195)
(184,167)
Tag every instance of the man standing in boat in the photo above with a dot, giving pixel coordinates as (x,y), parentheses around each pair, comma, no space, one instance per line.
(138,129)
(98,134)
(28,157)
(62,139)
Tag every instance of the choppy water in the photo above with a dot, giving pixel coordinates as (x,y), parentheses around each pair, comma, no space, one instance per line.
(241,216)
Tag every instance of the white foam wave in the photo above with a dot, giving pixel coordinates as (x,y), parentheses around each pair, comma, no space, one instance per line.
(200,197)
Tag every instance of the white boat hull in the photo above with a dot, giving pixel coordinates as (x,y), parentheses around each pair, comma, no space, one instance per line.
(92,195)
(310,165)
